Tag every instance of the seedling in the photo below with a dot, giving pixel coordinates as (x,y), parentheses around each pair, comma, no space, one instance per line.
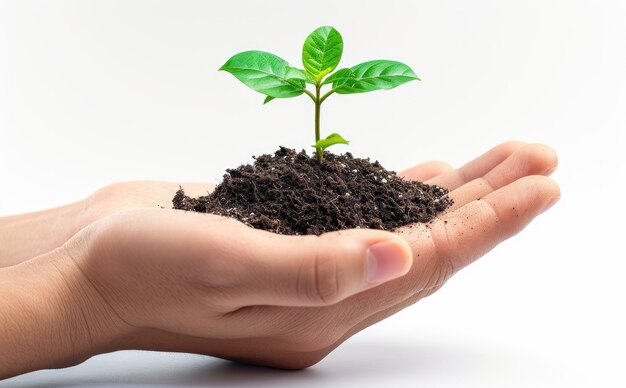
(274,77)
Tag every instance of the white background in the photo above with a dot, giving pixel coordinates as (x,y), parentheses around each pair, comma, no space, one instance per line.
(94,92)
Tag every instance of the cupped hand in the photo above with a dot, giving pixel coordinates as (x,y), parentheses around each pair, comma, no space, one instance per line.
(178,281)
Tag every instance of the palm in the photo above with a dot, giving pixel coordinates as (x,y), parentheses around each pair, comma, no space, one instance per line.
(508,182)
(511,185)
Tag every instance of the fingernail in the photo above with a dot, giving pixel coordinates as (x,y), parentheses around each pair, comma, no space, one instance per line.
(385,261)
(549,205)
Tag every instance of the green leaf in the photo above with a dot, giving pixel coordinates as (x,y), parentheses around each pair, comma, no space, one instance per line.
(330,140)
(339,76)
(266,73)
(322,51)
(268,99)
(375,75)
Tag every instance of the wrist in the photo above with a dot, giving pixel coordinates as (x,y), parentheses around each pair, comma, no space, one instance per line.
(52,316)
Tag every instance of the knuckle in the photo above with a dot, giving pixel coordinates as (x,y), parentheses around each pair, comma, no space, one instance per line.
(448,258)
(441,273)
(325,279)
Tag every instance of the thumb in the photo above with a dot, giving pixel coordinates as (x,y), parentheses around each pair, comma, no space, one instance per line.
(323,270)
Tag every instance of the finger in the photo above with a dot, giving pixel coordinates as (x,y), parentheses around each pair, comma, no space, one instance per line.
(460,237)
(454,242)
(532,159)
(245,266)
(503,214)
(318,270)
(425,171)
(474,229)
(477,167)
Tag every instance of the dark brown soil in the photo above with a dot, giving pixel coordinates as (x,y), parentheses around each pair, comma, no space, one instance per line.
(292,193)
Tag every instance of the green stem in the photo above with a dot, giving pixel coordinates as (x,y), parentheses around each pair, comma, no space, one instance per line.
(310,95)
(318,105)
(325,96)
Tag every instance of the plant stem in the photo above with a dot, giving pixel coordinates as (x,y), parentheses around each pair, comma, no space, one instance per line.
(309,94)
(318,105)
(325,96)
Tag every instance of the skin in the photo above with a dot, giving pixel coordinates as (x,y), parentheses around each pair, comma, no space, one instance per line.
(116,272)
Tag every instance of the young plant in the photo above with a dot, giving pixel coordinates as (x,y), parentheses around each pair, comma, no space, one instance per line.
(276,78)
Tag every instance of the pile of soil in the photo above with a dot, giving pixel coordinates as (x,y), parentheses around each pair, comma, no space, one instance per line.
(292,193)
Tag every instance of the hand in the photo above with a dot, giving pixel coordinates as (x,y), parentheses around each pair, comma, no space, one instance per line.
(496,196)
(178,281)
(134,276)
